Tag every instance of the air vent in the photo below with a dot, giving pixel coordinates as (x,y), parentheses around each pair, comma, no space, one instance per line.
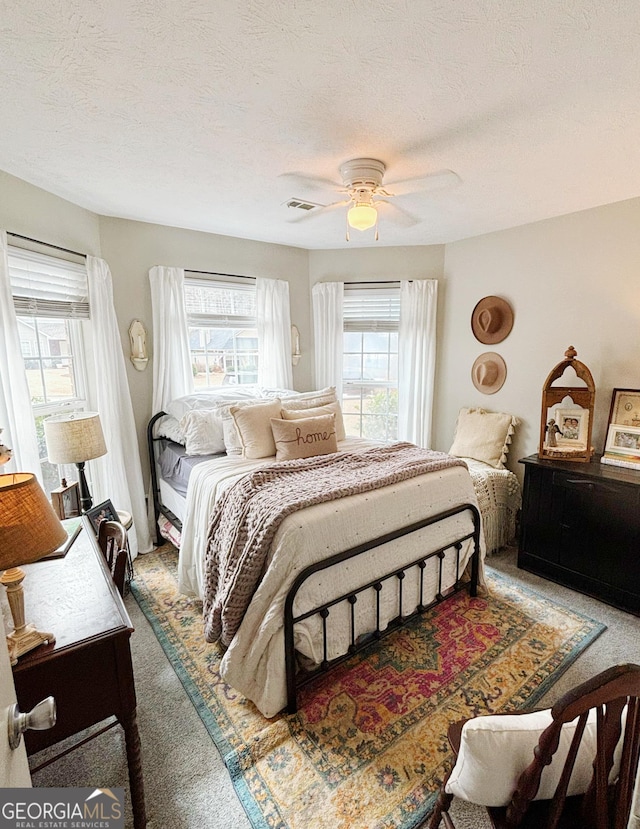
(302,205)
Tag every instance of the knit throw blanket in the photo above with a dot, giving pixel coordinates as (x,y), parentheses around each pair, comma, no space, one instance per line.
(248,515)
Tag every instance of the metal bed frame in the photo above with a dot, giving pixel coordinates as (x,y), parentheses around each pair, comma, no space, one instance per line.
(296,679)
(158,507)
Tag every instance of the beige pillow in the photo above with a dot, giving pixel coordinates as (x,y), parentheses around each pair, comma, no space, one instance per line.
(254,427)
(304,438)
(484,436)
(316,411)
(311,399)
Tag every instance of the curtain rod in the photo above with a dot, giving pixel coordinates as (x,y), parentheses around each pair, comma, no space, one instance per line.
(215,273)
(46,244)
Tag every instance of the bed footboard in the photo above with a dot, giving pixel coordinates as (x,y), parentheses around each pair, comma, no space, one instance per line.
(295,680)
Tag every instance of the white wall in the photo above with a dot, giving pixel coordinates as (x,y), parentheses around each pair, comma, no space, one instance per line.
(33,212)
(572,280)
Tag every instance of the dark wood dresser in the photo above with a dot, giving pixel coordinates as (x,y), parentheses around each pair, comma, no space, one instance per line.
(88,669)
(580,527)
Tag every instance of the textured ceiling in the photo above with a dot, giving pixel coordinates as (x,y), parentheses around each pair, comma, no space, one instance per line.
(187,113)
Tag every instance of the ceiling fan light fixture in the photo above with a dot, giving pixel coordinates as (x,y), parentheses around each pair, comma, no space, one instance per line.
(362,216)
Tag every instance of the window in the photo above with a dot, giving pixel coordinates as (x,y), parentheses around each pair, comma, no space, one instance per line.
(223,338)
(370,362)
(50,296)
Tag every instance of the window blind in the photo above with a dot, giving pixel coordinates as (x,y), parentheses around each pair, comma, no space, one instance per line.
(371,309)
(219,304)
(44,286)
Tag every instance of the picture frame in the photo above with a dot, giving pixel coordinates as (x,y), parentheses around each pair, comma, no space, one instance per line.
(574,427)
(625,407)
(66,500)
(104,511)
(623,442)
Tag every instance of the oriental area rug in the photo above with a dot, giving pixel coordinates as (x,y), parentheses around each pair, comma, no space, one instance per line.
(367,748)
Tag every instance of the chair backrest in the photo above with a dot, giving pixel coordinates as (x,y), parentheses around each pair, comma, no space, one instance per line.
(615,696)
(112,540)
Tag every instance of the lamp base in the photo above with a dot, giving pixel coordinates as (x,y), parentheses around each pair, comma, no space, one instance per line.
(25,640)
(25,637)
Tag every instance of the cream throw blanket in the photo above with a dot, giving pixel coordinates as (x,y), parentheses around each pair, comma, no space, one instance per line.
(247,516)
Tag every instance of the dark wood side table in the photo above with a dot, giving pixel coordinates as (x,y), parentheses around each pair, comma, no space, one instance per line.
(580,526)
(88,669)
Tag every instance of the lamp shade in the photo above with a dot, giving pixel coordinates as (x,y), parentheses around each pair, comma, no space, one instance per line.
(74,438)
(362,216)
(29,528)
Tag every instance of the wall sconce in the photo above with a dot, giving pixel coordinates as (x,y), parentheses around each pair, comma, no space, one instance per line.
(295,345)
(138,340)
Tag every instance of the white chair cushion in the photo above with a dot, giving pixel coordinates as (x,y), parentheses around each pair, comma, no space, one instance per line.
(484,436)
(495,749)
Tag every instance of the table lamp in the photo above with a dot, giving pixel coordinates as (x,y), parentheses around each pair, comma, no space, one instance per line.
(29,530)
(75,438)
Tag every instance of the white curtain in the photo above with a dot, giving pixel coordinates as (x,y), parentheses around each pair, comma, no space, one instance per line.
(274,333)
(172,374)
(416,359)
(327,300)
(118,474)
(15,398)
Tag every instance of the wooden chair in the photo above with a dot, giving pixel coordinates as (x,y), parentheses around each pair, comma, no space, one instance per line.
(606,804)
(112,540)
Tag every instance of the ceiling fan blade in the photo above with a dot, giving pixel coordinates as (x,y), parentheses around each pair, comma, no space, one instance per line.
(312,182)
(431,181)
(399,215)
(316,211)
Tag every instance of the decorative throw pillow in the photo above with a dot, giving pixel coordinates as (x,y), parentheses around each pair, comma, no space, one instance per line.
(484,436)
(311,399)
(496,749)
(202,430)
(305,437)
(254,427)
(316,411)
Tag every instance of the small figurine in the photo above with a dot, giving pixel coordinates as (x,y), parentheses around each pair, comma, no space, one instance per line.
(5,453)
(552,429)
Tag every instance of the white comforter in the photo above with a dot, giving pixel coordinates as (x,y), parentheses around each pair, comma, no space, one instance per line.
(254,662)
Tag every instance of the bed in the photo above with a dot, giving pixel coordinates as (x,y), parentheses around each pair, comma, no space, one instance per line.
(337,573)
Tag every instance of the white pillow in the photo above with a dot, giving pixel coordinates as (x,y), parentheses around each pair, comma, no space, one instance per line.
(495,749)
(232,443)
(209,399)
(168,427)
(202,430)
(317,411)
(254,427)
(310,399)
(484,436)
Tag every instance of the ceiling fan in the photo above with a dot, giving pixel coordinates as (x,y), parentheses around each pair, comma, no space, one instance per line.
(365,194)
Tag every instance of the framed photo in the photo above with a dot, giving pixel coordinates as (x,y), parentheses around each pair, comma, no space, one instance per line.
(574,427)
(66,500)
(625,407)
(101,512)
(623,441)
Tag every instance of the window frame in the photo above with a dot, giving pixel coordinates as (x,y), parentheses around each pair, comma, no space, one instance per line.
(382,303)
(222,322)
